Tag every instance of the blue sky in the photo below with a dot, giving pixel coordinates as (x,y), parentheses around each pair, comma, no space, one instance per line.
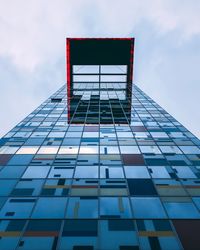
(167,50)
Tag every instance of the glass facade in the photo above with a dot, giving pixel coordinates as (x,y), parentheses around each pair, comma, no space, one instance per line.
(104,167)
(134,185)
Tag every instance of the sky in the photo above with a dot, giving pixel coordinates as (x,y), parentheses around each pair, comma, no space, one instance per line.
(167,50)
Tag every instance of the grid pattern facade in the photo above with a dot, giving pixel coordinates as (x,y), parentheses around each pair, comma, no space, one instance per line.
(131,184)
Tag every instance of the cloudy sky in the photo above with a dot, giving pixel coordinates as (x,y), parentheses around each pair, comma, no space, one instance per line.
(167,50)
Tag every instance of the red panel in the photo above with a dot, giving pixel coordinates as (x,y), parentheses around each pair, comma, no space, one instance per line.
(68,73)
(131,61)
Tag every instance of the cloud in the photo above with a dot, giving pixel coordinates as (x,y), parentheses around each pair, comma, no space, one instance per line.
(32,46)
(32,32)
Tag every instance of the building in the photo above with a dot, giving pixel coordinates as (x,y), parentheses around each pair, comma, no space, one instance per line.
(104,168)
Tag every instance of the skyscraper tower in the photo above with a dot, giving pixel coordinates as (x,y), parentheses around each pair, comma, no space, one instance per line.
(99,164)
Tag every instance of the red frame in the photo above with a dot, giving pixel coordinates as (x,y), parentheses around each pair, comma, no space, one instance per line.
(68,65)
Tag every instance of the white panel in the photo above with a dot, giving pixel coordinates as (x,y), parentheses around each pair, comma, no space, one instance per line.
(113,78)
(85,78)
(86,69)
(113,69)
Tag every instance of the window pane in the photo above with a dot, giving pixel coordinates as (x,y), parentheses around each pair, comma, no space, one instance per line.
(115,207)
(136,172)
(68,150)
(48,150)
(129,150)
(57,207)
(82,208)
(86,172)
(148,207)
(85,69)
(159,172)
(114,69)
(27,150)
(36,172)
(111,172)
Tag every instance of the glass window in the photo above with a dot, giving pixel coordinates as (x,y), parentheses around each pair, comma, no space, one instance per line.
(108,141)
(148,207)
(6,186)
(113,78)
(192,186)
(136,172)
(155,160)
(125,135)
(170,150)
(48,150)
(177,135)
(17,208)
(141,187)
(111,172)
(71,141)
(84,159)
(36,172)
(68,150)
(195,159)
(169,188)
(82,207)
(115,207)
(56,187)
(115,187)
(126,141)
(34,142)
(190,149)
(113,69)
(141,134)
(107,135)
(27,150)
(56,134)
(133,160)
(85,69)
(12,172)
(61,172)
(159,172)
(159,135)
(73,135)
(84,187)
(57,207)
(109,150)
(129,150)
(8,150)
(196,200)
(31,187)
(121,234)
(79,234)
(39,230)
(165,237)
(20,159)
(86,172)
(22,134)
(184,172)
(178,160)
(89,150)
(86,78)
(8,243)
(110,159)
(39,134)
(180,208)
(150,149)
(90,134)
